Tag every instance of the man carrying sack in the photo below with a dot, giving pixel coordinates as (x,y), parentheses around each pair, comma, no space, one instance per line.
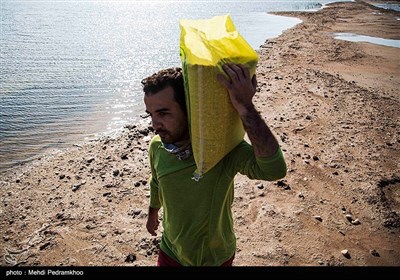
(197,217)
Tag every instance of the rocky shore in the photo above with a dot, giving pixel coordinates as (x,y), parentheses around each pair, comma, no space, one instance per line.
(333,105)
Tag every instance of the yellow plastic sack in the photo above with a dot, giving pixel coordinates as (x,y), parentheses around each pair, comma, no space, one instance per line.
(215,126)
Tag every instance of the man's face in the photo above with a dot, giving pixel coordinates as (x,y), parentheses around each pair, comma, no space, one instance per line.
(168,119)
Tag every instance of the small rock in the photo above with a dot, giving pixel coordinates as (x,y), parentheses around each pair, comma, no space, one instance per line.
(374,253)
(319,218)
(75,187)
(130,258)
(356,222)
(283,184)
(44,246)
(260,186)
(89,160)
(346,253)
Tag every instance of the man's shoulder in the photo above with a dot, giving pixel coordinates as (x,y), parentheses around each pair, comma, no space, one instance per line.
(242,145)
(240,150)
(156,139)
(155,142)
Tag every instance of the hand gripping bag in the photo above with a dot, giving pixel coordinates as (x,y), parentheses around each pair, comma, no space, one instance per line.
(215,125)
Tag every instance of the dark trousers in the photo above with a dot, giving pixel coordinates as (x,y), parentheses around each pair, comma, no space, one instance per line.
(165,260)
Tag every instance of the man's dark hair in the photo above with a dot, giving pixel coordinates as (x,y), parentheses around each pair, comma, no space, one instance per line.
(167,77)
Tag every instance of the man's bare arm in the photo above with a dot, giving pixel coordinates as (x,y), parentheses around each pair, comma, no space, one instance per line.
(241,89)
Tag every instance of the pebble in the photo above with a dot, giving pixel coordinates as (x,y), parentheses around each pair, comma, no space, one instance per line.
(346,253)
(374,253)
(130,258)
(319,218)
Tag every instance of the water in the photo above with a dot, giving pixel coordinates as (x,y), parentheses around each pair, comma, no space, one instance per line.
(388,6)
(368,39)
(71,70)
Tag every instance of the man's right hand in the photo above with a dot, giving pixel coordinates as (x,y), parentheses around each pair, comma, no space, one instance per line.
(152,221)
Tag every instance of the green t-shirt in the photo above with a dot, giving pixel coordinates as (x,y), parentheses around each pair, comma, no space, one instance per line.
(197,216)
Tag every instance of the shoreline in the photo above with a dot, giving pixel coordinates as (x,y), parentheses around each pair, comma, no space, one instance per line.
(332,104)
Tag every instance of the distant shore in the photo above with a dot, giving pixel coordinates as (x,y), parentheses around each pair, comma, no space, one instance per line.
(333,106)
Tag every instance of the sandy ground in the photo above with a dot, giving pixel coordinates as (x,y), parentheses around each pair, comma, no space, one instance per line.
(334,106)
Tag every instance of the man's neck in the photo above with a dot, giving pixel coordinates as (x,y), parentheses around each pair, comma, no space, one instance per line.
(182,143)
(182,152)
